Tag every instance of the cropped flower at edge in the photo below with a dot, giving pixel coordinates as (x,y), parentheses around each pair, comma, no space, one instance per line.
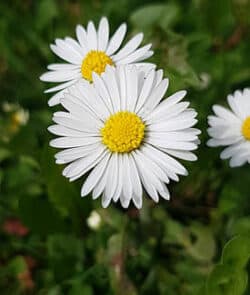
(93,51)
(232,128)
(119,132)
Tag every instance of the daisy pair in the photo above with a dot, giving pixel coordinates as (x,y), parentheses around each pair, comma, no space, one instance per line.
(116,128)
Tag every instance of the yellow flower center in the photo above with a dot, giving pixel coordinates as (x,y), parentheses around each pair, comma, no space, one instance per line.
(245,129)
(123,132)
(95,61)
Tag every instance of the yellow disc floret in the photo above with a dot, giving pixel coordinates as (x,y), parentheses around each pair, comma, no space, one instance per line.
(95,61)
(123,132)
(245,129)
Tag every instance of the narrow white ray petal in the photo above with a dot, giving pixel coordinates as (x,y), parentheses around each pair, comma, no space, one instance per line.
(235,106)
(76,153)
(66,54)
(103,92)
(82,113)
(100,186)
(66,45)
(127,183)
(70,142)
(234,149)
(83,165)
(122,87)
(237,161)
(129,47)
(64,131)
(223,142)
(95,175)
(82,38)
(86,123)
(62,67)
(157,170)
(184,155)
(166,113)
(60,76)
(147,55)
(91,36)
(61,86)
(173,135)
(132,88)
(178,145)
(136,182)
(147,178)
(103,34)
(155,97)
(133,57)
(93,100)
(74,44)
(146,89)
(225,113)
(116,40)
(165,161)
(112,181)
(55,99)
(110,80)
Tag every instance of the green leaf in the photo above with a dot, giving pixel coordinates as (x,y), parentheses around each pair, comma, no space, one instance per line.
(225,280)
(236,252)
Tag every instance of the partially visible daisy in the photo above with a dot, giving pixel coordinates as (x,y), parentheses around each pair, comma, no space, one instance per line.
(92,52)
(118,130)
(232,128)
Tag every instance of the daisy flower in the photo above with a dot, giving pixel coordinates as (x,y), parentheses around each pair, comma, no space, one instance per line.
(232,128)
(92,52)
(119,132)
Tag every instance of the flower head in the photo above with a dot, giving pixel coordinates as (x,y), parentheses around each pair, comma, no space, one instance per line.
(91,53)
(232,128)
(119,132)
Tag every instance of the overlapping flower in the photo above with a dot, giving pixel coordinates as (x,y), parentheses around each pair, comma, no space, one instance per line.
(117,128)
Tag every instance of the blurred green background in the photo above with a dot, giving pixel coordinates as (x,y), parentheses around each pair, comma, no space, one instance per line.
(54,242)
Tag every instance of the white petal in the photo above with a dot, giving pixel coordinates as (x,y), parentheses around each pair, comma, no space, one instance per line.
(67,54)
(116,40)
(132,88)
(81,166)
(91,36)
(61,86)
(136,183)
(95,176)
(133,57)
(154,98)
(103,34)
(82,38)
(146,89)
(70,142)
(60,76)
(128,48)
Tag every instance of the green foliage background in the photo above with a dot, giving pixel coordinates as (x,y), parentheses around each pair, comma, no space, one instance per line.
(199,242)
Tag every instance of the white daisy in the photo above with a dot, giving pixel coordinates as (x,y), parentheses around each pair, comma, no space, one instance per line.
(232,128)
(92,53)
(117,129)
